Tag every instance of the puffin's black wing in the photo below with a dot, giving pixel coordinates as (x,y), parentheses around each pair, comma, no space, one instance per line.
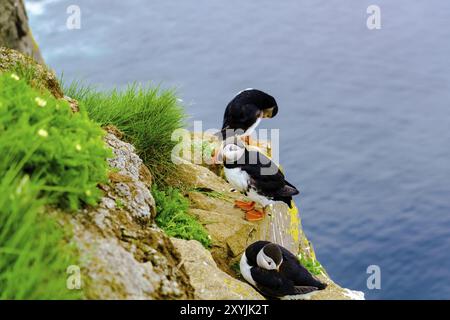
(239,116)
(273,284)
(292,269)
(270,183)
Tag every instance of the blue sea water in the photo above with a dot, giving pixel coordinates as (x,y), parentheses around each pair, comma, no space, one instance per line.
(364,114)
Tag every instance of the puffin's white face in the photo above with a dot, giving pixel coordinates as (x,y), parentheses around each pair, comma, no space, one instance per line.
(232,152)
(265,261)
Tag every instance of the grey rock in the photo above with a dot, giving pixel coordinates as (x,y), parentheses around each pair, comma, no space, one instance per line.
(209,282)
(124,255)
(14,30)
(128,182)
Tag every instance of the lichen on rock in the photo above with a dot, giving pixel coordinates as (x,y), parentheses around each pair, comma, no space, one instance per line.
(131,179)
(124,254)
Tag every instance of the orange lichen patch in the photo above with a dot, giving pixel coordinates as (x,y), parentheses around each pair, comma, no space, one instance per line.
(114,130)
(117,177)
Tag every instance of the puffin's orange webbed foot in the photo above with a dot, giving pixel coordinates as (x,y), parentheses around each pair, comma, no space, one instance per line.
(254,215)
(246,206)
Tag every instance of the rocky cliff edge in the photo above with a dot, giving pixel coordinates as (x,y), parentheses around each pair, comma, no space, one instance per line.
(125,255)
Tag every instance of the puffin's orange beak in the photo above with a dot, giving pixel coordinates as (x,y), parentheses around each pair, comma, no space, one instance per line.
(215,156)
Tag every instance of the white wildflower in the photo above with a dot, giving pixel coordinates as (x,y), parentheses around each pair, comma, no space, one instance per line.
(40,102)
(43,133)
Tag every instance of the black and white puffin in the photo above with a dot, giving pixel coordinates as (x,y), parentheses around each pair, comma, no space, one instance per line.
(246,110)
(243,114)
(258,177)
(277,273)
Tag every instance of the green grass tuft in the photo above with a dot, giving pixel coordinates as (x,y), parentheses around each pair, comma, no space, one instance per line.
(214,194)
(68,150)
(34,254)
(147,117)
(173,218)
(206,148)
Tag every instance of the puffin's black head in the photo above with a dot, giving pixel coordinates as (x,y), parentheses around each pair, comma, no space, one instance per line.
(270,257)
(246,108)
(265,102)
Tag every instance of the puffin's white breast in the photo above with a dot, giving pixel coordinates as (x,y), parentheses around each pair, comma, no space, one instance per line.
(246,270)
(262,200)
(237,178)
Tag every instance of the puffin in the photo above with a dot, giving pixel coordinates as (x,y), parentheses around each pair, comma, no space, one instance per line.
(277,273)
(245,111)
(243,114)
(258,177)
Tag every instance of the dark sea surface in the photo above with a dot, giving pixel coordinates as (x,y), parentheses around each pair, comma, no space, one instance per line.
(364,115)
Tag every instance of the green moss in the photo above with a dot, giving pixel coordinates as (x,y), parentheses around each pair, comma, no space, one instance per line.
(69,155)
(119,204)
(312,265)
(235,267)
(146,116)
(173,218)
